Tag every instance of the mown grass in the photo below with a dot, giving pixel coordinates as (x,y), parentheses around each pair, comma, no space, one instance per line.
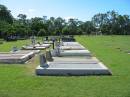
(20,80)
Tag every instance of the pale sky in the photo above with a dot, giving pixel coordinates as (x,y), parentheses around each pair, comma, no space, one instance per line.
(81,9)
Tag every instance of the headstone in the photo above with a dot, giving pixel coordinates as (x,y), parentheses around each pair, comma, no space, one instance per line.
(56,44)
(49,56)
(14,49)
(39,43)
(43,62)
(33,40)
(57,50)
(46,38)
(53,40)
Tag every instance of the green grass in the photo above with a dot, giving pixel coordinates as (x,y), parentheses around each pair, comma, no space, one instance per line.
(7,46)
(20,80)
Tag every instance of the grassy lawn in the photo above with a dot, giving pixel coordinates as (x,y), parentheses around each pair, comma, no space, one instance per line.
(20,80)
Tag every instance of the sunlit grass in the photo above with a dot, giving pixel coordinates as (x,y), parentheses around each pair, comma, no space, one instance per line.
(20,80)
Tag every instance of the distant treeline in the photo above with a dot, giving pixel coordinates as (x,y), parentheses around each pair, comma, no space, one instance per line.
(108,23)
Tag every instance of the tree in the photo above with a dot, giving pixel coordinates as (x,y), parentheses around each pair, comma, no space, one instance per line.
(59,24)
(22,19)
(5,14)
(4,26)
(42,32)
(72,26)
(36,25)
(87,27)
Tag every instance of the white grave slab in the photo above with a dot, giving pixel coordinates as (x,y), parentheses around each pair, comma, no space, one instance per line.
(33,48)
(13,58)
(71,44)
(72,48)
(72,66)
(42,45)
(48,42)
(72,62)
(75,53)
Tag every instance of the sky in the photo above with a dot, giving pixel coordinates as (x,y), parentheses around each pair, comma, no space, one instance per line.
(81,9)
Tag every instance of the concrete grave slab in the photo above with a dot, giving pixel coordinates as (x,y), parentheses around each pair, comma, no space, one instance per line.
(72,66)
(71,44)
(79,60)
(16,57)
(33,48)
(75,53)
(48,42)
(72,48)
(71,62)
(42,45)
(31,52)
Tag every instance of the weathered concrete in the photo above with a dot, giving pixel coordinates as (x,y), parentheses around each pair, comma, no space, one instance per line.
(42,45)
(16,57)
(43,62)
(48,42)
(75,53)
(71,44)
(33,48)
(77,59)
(26,51)
(72,61)
(72,66)
(73,69)
(72,48)
(49,56)
(36,47)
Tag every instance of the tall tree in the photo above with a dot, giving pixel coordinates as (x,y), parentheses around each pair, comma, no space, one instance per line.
(5,14)
(22,19)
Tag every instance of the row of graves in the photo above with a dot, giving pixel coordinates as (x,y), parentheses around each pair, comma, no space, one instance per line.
(21,56)
(66,57)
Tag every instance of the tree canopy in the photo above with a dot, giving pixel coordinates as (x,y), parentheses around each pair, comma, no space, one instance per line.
(109,23)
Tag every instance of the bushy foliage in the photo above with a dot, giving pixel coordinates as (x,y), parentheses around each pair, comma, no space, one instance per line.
(102,23)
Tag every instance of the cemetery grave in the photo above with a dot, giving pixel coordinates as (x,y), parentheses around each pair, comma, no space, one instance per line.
(14,76)
(70,62)
(83,48)
(33,48)
(36,46)
(14,58)
(17,56)
(20,56)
